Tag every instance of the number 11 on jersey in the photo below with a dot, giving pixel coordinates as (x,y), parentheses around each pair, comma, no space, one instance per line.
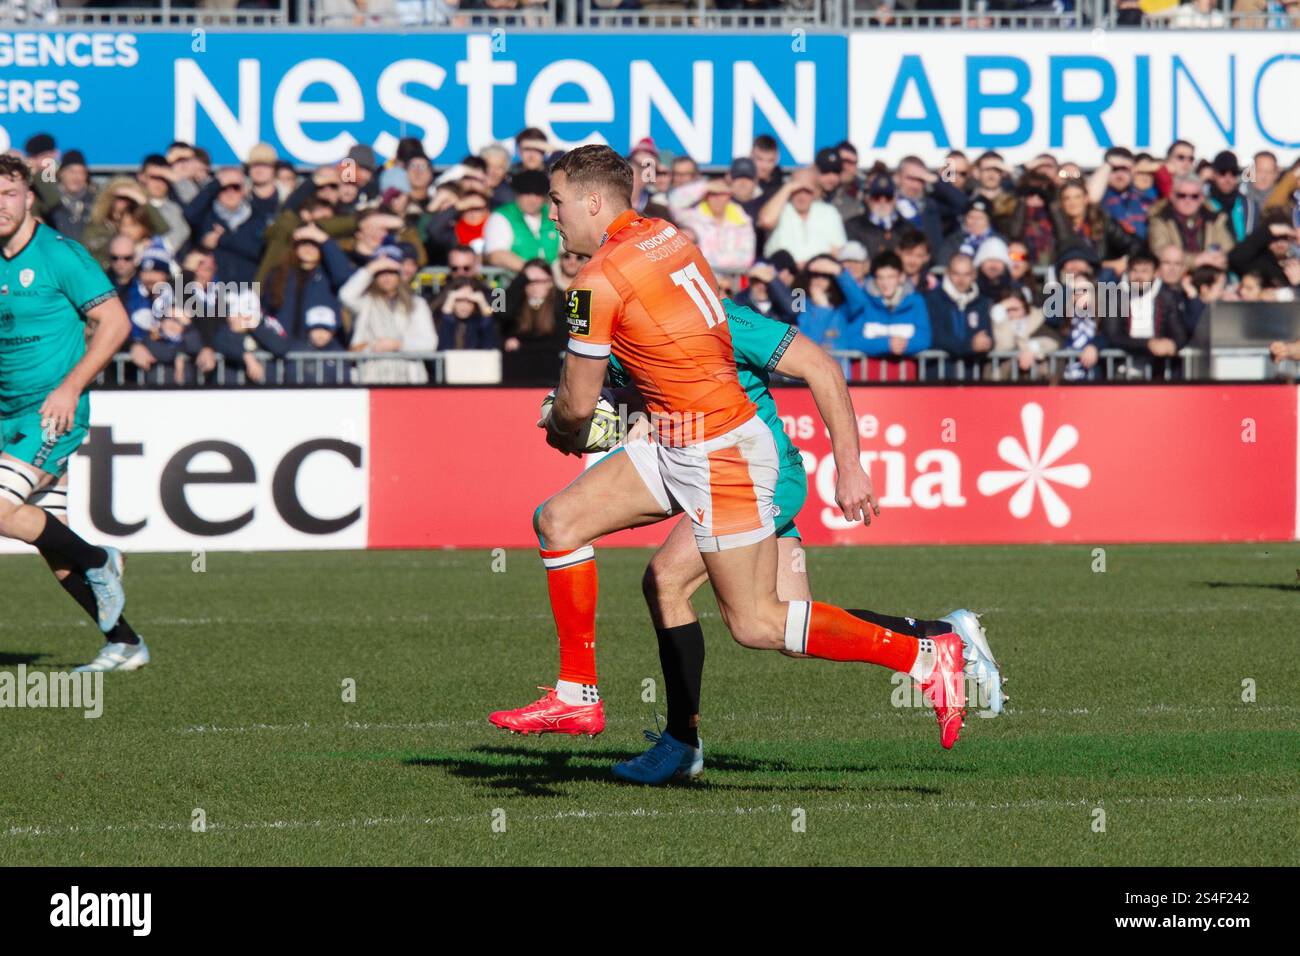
(701,293)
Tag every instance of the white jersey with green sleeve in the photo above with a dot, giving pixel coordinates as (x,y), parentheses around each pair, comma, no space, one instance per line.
(45,290)
(758,343)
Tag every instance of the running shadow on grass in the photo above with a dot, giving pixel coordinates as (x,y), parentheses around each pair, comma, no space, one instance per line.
(15,658)
(1273,586)
(536,773)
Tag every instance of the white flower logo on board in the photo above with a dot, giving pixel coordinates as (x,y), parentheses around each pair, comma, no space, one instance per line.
(1036,469)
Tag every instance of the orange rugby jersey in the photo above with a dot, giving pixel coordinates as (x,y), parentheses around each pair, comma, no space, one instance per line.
(649,296)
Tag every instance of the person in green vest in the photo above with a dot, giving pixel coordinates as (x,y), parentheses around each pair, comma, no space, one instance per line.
(522,230)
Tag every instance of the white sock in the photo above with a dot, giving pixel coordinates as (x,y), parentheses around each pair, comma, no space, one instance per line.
(924,664)
(571,692)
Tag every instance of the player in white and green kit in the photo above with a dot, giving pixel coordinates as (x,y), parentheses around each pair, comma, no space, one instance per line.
(51,294)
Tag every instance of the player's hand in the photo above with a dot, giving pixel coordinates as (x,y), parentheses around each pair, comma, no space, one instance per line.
(566,442)
(854,492)
(59,411)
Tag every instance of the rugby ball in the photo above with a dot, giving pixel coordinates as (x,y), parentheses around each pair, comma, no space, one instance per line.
(605,431)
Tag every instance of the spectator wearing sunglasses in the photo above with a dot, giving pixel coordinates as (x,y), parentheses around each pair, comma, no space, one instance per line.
(1189,223)
(1112,187)
(156,178)
(1180,160)
(223,222)
(122,265)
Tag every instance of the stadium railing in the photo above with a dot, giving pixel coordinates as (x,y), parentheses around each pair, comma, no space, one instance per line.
(1113,365)
(588,14)
(144,14)
(339,369)
(295,369)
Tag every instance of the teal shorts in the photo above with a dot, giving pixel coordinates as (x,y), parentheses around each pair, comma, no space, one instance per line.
(25,439)
(791,492)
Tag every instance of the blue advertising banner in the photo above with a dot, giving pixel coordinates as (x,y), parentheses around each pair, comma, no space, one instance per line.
(118,95)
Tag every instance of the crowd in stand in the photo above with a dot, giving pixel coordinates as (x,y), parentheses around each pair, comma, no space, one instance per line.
(967,256)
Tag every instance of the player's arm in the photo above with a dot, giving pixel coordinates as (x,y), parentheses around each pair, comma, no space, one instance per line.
(804,360)
(108,327)
(591,312)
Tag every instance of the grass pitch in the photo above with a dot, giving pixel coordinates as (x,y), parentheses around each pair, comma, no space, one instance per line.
(1127,692)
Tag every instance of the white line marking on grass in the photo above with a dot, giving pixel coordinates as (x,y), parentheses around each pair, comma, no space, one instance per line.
(364,823)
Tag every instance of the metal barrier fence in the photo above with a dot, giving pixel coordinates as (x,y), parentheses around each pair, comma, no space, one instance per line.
(1113,365)
(294,369)
(600,14)
(343,369)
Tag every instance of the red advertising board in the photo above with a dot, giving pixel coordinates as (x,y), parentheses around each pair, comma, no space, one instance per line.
(467,467)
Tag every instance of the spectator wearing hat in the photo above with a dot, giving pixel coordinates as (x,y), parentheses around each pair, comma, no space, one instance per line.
(877,229)
(394,175)
(913,248)
(1149,326)
(156,178)
(830,171)
(1076,218)
(976,228)
(522,229)
(301,294)
(388,317)
(162,337)
(122,208)
(743,178)
(152,294)
(723,231)
(799,222)
(766,294)
(359,169)
(265,193)
(1112,187)
(1226,195)
(959,312)
(1191,224)
(42,154)
(894,321)
(853,257)
(993,270)
(76,196)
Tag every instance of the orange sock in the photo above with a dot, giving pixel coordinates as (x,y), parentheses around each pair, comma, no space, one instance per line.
(571,580)
(834,634)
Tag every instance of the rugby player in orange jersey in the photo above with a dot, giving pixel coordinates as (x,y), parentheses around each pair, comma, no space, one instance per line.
(647,295)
